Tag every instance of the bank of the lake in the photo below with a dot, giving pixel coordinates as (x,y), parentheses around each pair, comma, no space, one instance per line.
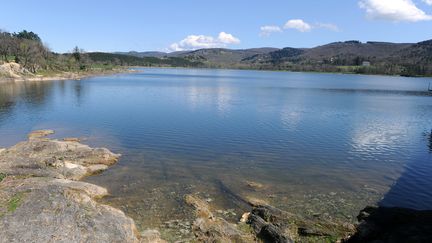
(13,72)
(43,199)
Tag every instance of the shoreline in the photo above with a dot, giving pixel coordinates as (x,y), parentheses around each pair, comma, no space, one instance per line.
(43,197)
(67,75)
(130,69)
(283,71)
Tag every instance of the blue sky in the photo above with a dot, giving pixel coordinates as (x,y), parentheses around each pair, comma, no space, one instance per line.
(179,25)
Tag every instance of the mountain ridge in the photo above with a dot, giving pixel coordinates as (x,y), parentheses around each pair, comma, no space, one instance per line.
(373,57)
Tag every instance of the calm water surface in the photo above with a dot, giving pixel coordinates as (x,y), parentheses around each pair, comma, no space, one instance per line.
(320,144)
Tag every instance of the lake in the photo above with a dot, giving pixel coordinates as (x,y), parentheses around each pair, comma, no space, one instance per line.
(321,145)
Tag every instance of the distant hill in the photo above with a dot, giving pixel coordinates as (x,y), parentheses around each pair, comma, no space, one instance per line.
(410,59)
(143,54)
(211,57)
(130,60)
(340,53)
(224,56)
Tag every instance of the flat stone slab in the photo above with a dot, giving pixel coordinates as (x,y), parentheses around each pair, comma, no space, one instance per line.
(41,199)
(40,156)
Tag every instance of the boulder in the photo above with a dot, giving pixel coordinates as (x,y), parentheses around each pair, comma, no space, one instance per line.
(41,199)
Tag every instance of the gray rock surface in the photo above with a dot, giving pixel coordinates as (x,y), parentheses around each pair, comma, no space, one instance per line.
(42,201)
(44,157)
(209,228)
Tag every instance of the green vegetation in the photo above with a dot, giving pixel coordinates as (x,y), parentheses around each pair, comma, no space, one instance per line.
(107,59)
(15,202)
(351,57)
(2,176)
(26,48)
(406,59)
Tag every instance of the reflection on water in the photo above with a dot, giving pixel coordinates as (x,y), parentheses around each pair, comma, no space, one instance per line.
(19,97)
(319,144)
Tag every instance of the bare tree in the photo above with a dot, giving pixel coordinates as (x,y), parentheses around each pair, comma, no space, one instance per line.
(6,45)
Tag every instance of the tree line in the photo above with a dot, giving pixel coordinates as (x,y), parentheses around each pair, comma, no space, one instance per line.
(27,49)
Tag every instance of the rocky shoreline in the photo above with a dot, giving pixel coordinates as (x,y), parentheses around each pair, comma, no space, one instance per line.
(42,199)
(13,72)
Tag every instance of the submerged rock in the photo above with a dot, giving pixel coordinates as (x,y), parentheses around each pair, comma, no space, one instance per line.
(151,236)
(274,225)
(42,201)
(209,228)
(40,133)
(267,231)
(255,185)
(72,140)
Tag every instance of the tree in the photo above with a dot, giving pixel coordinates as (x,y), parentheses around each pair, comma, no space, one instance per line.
(31,55)
(76,53)
(7,45)
(27,36)
(80,57)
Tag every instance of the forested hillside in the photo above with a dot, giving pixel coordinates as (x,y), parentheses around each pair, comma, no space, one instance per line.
(372,57)
(27,49)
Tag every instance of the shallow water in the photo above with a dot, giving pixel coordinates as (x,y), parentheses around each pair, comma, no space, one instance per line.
(322,145)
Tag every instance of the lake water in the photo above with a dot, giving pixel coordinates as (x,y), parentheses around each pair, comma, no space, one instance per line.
(321,145)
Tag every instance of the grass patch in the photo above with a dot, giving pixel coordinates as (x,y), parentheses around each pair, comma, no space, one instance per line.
(2,176)
(15,202)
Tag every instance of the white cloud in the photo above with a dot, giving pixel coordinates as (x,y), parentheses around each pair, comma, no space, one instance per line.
(269,29)
(428,2)
(193,42)
(327,26)
(394,10)
(227,38)
(298,24)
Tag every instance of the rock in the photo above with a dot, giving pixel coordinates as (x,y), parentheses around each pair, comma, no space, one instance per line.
(41,201)
(244,218)
(209,228)
(77,140)
(310,232)
(267,231)
(271,233)
(271,224)
(93,169)
(151,236)
(61,210)
(40,133)
(201,207)
(53,158)
(256,222)
(256,201)
(274,225)
(14,70)
(254,185)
